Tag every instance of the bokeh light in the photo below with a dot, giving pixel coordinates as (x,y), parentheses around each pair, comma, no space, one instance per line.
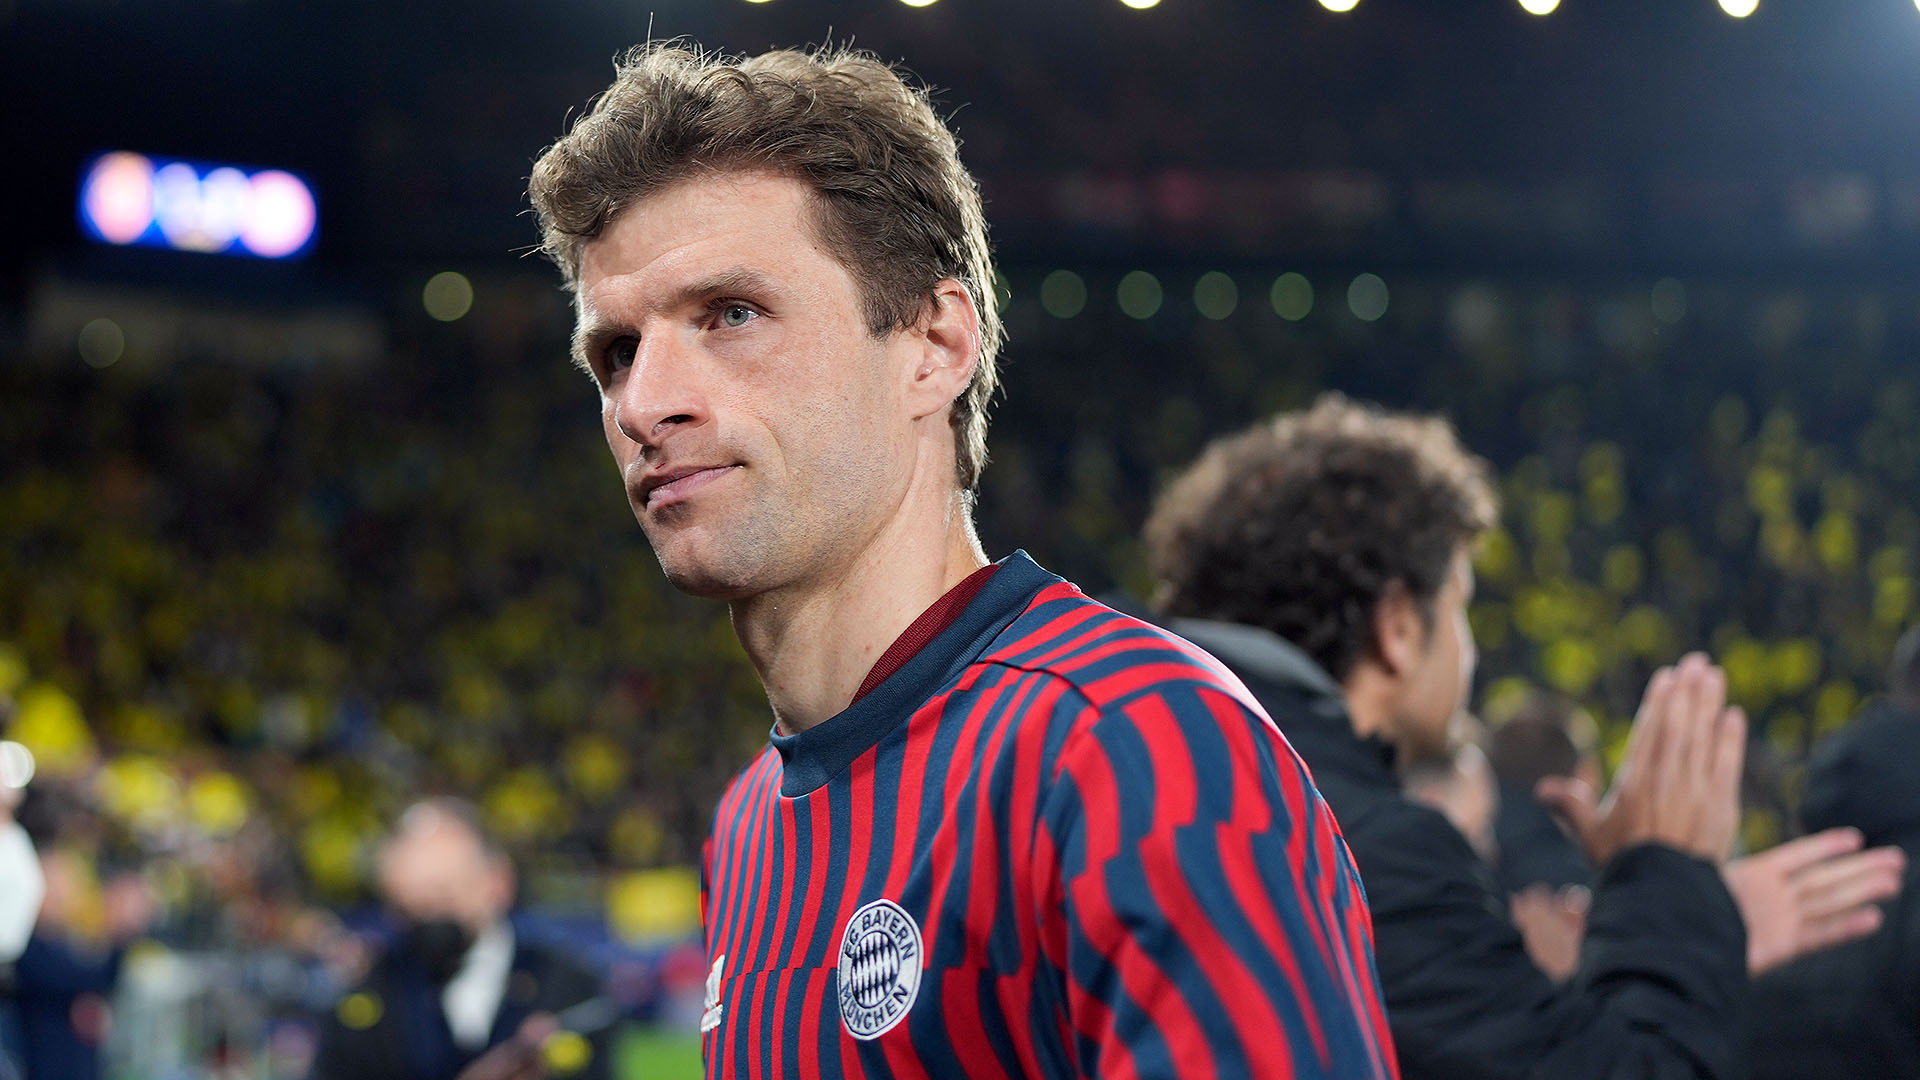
(1739,9)
(102,343)
(1367,297)
(1063,294)
(448,296)
(1140,295)
(1215,295)
(283,216)
(1339,5)
(1669,301)
(1292,296)
(1539,7)
(1141,5)
(116,200)
(16,765)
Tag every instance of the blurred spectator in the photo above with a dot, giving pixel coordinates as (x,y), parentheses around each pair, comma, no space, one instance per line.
(24,884)
(1855,1010)
(1327,553)
(65,978)
(457,979)
(1548,736)
(1460,784)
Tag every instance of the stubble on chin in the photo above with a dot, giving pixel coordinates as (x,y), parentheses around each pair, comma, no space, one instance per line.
(709,563)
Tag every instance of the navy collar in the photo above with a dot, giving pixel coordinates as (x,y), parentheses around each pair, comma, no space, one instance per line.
(818,754)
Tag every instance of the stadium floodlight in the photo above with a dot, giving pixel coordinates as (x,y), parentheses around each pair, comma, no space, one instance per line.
(1339,5)
(128,198)
(1141,5)
(1539,7)
(917,3)
(1739,9)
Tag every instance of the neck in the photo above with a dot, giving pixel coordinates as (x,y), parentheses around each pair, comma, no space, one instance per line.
(814,643)
(1369,696)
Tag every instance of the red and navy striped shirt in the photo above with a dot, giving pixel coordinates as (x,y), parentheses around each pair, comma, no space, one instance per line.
(1056,841)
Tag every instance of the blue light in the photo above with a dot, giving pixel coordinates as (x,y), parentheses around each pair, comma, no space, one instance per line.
(133,199)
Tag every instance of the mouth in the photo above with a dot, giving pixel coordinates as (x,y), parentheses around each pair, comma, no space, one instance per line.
(672,486)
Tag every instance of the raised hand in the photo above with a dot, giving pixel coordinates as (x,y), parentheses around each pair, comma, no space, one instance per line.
(1679,781)
(1811,893)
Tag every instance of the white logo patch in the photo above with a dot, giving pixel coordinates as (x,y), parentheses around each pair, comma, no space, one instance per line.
(880,963)
(710,1016)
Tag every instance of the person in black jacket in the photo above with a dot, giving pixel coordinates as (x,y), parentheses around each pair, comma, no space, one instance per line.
(1854,1011)
(458,980)
(1324,557)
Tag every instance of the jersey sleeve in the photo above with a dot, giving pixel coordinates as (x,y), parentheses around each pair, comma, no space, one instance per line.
(1196,902)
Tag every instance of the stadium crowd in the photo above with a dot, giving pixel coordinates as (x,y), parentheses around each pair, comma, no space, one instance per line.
(247,614)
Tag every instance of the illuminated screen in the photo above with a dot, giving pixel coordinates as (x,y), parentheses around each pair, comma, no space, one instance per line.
(129,198)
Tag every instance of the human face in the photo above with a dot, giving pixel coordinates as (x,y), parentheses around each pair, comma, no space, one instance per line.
(1436,686)
(436,869)
(757,422)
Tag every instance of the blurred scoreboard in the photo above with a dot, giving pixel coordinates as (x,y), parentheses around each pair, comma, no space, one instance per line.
(136,199)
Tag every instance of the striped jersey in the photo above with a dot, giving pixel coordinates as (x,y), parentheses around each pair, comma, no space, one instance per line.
(1057,841)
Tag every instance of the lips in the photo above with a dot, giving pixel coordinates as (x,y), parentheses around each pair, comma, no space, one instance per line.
(670,486)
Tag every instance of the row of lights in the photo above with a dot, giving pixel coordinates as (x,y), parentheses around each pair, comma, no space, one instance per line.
(1140,295)
(1739,9)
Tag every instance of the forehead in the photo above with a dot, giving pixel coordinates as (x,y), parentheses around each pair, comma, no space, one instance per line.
(700,223)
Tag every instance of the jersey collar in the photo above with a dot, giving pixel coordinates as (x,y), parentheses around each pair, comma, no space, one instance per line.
(818,754)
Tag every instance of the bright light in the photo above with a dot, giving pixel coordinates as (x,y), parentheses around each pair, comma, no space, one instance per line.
(448,296)
(1339,5)
(132,199)
(1142,5)
(1739,9)
(116,199)
(1539,7)
(916,3)
(16,765)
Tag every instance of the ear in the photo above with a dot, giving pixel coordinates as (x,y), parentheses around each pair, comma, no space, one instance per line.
(947,347)
(1399,634)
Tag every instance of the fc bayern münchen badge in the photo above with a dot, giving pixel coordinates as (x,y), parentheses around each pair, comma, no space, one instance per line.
(879,969)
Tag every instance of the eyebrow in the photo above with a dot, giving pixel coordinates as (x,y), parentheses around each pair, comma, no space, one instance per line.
(589,333)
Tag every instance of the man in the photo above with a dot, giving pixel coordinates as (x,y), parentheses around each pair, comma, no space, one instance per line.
(1001,830)
(457,980)
(1855,1011)
(1548,736)
(1325,557)
(1459,783)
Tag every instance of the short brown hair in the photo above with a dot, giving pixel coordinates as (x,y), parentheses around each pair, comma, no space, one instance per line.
(894,204)
(1300,524)
(1547,735)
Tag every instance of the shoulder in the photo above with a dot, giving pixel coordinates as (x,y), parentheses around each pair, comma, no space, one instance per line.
(1108,658)
(759,777)
(1413,860)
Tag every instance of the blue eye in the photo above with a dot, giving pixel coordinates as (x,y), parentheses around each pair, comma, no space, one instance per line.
(620,353)
(734,316)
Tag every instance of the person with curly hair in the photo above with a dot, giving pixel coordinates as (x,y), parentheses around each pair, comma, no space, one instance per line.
(1325,556)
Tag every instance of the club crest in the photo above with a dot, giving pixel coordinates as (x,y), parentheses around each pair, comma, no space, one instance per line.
(880,964)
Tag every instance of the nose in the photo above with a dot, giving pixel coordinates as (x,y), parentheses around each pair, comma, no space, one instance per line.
(661,393)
